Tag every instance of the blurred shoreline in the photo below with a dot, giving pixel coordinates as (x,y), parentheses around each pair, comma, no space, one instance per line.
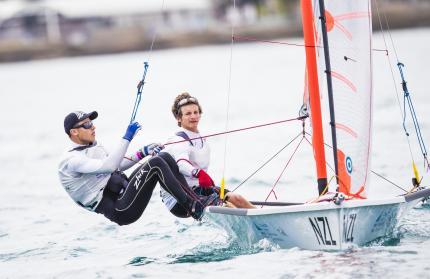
(118,39)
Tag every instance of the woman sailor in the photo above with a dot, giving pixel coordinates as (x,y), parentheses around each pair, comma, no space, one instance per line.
(193,157)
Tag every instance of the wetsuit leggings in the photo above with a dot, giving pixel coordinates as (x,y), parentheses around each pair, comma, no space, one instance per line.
(127,207)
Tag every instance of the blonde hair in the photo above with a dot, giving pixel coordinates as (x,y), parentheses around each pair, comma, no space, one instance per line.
(178,103)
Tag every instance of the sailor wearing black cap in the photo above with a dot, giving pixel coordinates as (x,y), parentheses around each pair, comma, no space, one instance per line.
(94,179)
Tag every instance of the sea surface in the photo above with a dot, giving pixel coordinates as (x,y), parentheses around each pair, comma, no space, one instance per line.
(43,234)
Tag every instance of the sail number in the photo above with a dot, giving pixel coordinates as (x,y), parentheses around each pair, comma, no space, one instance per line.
(348,227)
(323,232)
(321,228)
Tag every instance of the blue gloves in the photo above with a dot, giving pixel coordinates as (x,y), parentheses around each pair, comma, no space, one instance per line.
(131,131)
(151,149)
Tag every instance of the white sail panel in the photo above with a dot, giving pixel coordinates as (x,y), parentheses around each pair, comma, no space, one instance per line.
(349,30)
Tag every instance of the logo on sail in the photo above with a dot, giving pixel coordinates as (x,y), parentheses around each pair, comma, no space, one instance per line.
(348,163)
(335,21)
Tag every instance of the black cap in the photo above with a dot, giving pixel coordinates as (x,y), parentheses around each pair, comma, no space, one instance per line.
(75,117)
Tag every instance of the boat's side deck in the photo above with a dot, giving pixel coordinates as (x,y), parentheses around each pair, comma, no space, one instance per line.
(303,207)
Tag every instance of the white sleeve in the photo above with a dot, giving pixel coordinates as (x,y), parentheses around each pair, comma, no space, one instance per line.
(181,153)
(129,161)
(83,164)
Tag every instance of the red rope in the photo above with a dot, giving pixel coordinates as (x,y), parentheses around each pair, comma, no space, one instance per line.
(227,132)
(241,38)
(238,130)
(277,180)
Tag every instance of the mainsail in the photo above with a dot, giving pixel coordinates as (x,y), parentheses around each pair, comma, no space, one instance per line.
(339,92)
(349,31)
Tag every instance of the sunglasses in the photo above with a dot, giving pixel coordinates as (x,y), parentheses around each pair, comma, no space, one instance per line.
(86,125)
(189,100)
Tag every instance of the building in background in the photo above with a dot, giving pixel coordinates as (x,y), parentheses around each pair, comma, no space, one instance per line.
(64,27)
(52,28)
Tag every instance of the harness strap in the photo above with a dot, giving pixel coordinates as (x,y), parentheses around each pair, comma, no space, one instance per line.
(184,135)
(83,147)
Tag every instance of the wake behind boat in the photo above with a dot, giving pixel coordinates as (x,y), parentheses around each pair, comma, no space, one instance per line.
(338,45)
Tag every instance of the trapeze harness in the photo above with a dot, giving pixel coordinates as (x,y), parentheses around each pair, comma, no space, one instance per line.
(189,155)
(88,179)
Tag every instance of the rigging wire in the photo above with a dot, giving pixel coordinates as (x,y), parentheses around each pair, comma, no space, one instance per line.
(234,38)
(251,39)
(142,81)
(240,129)
(389,181)
(154,35)
(374,172)
(139,93)
(227,119)
(268,161)
(325,191)
(406,98)
(391,70)
(283,170)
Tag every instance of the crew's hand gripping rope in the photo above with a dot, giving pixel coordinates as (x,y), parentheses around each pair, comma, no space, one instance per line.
(139,92)
(407,99)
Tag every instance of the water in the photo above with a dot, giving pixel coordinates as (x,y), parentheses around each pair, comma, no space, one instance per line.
(44,234)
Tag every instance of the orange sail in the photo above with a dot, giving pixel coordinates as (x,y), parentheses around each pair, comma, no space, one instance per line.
(314,94)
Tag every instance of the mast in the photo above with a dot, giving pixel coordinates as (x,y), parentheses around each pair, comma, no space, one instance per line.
(314,95)
(329,88)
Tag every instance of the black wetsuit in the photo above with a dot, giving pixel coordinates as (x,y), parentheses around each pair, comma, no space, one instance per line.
(124,200)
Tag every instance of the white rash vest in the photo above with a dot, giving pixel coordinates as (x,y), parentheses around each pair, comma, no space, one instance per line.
(85,170)
(188,157)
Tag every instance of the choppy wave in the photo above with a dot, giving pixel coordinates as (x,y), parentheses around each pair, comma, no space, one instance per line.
(215,252)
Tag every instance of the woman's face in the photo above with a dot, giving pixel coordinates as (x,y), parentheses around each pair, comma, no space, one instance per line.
(190,117)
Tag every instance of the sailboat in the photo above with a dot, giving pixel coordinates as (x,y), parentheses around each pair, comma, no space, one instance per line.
(346,217)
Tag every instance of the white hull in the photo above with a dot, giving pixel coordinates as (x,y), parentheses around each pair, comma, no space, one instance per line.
(318,226)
